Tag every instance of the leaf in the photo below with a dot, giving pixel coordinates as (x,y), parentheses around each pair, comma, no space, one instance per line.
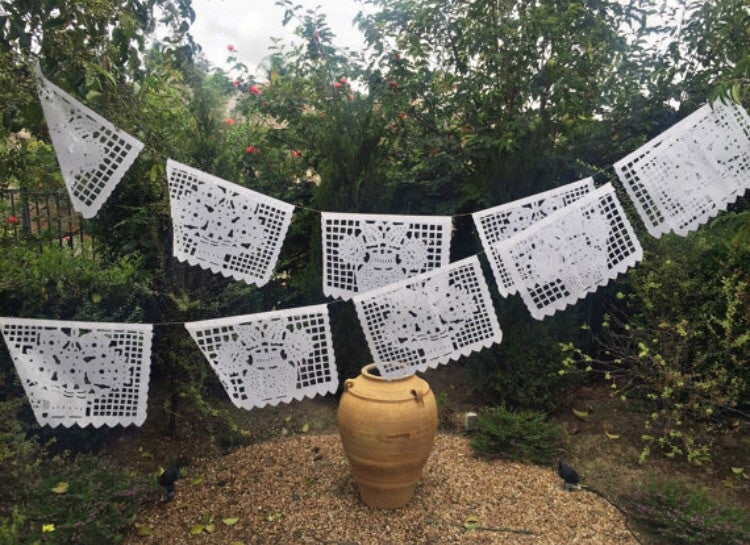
(738,470)
(305,428)
(197,481)
(612,436)
(471,523)
(581,415)
(236,543)
(143,529)
(60,488)
(197,529)
(231,521)
(210,528)
(288,419)
(48,528)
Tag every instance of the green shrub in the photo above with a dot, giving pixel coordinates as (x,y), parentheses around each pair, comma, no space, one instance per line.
(677,513)
(99,503)
(20,455)
(524,435)
(677,340)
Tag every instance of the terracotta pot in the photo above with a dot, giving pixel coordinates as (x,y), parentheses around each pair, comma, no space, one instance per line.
(387,428)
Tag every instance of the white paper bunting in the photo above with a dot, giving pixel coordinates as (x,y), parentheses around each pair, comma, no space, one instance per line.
(224,227)
(502,222)
(571,253)
(271,357)
(85,373)
(362,252)
(691,171)
(429,319)
(93,154)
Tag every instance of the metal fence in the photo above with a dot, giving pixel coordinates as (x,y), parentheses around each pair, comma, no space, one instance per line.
(42,218)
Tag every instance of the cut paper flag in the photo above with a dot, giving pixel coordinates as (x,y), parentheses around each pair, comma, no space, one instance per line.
(429,319)
(362,252)
(691,171)
(93,154)
(84,373)
(271,357)
(502,222)
(570,253)
(223,227)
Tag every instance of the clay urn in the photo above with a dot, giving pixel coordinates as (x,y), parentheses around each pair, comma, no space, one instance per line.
(387,428)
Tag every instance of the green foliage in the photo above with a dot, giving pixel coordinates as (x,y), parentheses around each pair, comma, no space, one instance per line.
(20,455)
(96,507)
(524,435)
(58,283)
(679,339)
(523,371)
(678,513)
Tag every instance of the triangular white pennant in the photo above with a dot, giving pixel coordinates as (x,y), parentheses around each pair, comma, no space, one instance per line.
(271,357)
(362,252)
(572,252)
(224,227)
(502,222)
(429,319)
(690,172)
(93,154)
(84,373)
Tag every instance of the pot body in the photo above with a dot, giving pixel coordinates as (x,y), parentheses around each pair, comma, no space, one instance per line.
(387,429)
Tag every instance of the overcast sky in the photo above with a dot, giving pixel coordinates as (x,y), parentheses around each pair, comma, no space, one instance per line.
(250,24)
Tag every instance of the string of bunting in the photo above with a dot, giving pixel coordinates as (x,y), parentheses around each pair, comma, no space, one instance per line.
(417,310)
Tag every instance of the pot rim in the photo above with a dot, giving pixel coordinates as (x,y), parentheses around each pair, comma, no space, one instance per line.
(366,372)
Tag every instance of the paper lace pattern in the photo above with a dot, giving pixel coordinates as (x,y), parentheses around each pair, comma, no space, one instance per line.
(93,154)
(571,253)
(502,222)
(224,227)
(429,319)
(690,172)
(85,373)
(271,357)
(362,252)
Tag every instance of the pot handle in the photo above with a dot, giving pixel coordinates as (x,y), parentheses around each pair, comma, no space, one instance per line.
(348,384)
(419,396)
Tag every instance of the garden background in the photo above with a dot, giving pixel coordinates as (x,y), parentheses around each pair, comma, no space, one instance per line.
(451,108)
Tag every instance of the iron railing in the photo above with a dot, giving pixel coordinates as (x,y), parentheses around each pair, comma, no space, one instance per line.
(41,218)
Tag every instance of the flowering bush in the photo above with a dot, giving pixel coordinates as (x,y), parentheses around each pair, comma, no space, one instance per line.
(674,512)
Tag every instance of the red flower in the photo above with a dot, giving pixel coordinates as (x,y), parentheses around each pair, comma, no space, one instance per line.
(231,47)
(351,97)
(392,84)
(66,238)
(336,85)
(403,115)
(12,220)
(229,121)
(254,89)
(252,149)
(236,83)
(296,154)
(344,81)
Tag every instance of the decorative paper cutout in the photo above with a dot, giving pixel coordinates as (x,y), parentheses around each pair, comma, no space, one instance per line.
(691,171)
(93,154)
(224,227)
(271,357)
(430,319)
(84,373)
(572,252)
(362,252)
(502,222)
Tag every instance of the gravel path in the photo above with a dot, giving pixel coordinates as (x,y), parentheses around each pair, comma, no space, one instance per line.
(299,490)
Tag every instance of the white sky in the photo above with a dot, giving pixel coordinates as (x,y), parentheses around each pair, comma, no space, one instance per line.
(249,26)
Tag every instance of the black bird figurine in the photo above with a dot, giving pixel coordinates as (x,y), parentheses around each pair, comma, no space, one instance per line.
(168,478)
(569,475)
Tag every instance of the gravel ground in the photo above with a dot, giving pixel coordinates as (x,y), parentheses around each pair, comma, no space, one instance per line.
(300,490)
